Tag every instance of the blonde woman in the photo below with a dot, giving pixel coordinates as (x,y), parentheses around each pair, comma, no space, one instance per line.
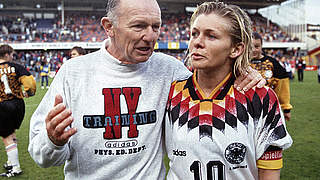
(214,131)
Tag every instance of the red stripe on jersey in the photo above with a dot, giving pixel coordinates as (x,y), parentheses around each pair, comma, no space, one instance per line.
(230,105)
(176,100)
(240,97)
(205,119)
(184,106)
(172,89)
(262,92)
(218,111)
(273,99)
(250,93)
(194,111)
(272,155)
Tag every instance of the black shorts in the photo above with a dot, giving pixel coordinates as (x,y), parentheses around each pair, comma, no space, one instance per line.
(11,116)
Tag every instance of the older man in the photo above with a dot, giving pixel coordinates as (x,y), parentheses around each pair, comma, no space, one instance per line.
(106,119)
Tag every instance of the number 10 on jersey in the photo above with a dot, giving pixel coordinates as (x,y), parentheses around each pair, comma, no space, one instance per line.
(215,170)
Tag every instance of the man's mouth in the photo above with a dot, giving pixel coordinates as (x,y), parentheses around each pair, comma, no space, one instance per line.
(144,48)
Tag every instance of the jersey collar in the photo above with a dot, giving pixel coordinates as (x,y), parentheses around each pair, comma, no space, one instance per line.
(218,93)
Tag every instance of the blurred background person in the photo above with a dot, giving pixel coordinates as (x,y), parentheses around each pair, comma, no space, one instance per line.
(77,51)
(37,68)
(300,66)
(44,73)
(12,107)
(276,76)
(285,63)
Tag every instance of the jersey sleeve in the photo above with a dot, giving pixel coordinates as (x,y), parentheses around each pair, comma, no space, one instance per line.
(29,84)
(279,72)
(271,136)
(41,149)
(26,80)
(271,158)
(283,86)
(21,71)
(283,92)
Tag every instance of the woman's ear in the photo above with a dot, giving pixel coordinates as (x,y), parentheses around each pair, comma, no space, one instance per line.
(237,50)
(107,25)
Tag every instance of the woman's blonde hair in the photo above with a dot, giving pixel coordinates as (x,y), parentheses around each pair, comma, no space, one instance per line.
(240,29)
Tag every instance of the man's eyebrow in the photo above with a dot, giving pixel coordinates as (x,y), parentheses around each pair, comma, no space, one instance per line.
(138,20)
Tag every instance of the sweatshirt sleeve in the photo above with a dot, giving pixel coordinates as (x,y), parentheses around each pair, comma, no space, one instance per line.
(41,149)
(181,71)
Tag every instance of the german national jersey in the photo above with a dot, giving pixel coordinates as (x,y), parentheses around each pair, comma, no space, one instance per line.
(12,77)
(277,78)
(228,135)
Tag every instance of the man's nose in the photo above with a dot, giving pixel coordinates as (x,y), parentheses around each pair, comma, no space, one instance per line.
(150,34)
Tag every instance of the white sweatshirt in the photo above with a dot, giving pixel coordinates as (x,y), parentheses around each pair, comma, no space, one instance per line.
(118,111)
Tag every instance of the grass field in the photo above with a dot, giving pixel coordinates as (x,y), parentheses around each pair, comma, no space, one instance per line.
(301,161)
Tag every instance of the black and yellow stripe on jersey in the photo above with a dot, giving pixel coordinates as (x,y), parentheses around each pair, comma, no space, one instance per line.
(12,76)
(277,78)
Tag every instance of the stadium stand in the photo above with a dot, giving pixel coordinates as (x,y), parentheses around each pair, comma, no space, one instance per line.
(175,27)
(84,26)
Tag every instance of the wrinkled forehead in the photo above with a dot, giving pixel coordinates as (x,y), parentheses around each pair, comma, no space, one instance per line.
(143,8)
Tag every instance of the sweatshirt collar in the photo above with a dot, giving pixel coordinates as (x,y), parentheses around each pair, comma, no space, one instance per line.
(114,61)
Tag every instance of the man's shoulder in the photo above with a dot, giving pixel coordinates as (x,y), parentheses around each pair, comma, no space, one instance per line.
(165,59)
(162,56)
(269,58)
(10,63)
(169,66)
(82,60)
(18,67)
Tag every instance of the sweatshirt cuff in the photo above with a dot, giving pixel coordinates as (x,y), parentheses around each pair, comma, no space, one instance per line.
(51,144)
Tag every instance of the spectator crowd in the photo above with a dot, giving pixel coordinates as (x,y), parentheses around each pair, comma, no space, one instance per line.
(86,28)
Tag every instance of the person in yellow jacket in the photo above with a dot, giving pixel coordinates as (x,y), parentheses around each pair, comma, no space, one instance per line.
(12,108)
(276,76)
(44,73)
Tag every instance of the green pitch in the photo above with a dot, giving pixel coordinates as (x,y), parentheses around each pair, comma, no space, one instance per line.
(301,161)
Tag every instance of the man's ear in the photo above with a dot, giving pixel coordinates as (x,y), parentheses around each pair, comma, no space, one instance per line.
(237,50)
(107,25)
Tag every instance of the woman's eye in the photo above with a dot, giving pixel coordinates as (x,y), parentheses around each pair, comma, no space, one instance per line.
(211,36)
(194,34)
